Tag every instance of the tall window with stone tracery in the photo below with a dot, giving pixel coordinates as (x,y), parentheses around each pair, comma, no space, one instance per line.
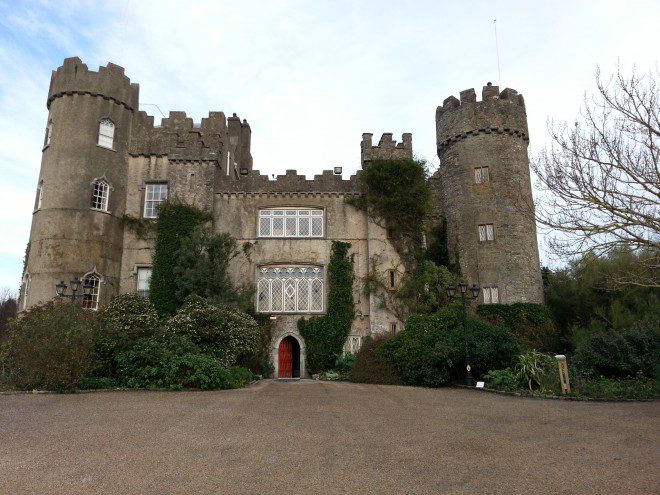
(290,289)
(100,194)
(106,133)
(91,300)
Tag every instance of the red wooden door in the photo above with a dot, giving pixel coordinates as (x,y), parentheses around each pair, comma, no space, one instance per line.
(285,359)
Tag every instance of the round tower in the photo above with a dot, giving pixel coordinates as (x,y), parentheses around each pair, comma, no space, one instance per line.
(483,191)
(76,226)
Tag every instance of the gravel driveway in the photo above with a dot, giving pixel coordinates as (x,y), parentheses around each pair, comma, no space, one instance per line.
(324,438)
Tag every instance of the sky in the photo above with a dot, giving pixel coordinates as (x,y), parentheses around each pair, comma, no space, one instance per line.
(309,76)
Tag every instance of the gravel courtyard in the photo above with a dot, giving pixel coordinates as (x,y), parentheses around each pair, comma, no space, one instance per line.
(324,438)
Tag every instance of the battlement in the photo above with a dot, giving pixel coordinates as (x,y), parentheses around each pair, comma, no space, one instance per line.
(110,82)
(387,147)
(290,183)
(179,138)
(497,112)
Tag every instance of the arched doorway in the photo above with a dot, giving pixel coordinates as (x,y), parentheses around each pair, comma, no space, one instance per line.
(288,358)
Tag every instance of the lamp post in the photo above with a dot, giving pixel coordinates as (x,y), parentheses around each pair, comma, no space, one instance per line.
(76,283)
(451,293)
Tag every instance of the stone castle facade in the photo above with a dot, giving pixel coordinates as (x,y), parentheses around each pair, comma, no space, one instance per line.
(103,159)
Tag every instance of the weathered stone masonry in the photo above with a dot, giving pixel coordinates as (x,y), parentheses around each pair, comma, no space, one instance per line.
(210,165)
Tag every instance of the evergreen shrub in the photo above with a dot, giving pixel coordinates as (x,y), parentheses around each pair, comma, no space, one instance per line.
(51,347)
(372,367)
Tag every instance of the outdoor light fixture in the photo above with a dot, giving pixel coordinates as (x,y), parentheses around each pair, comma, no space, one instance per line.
(338,170)
(75,283)
(244,171)
(451,292)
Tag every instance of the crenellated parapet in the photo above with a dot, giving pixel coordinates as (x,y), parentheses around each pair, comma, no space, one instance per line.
(179,138)
(110,83)
(289,183)
(497,112)
(387,148)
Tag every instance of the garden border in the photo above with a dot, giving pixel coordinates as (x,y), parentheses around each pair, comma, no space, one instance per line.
(554,397)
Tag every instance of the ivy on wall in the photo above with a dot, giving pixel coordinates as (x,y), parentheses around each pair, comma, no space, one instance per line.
(325,335)
(175,223)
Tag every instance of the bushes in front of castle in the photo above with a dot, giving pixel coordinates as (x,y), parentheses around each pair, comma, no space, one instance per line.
(432,348)
(531,324)
(325,335)
(621,353)
(51,347)
(371,366)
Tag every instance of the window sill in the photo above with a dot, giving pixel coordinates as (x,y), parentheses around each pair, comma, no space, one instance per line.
(292,313)
(290,238)
(106,148)
(100,211)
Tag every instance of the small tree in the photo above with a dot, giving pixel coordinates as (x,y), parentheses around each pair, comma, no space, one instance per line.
(603,180)
(8,309)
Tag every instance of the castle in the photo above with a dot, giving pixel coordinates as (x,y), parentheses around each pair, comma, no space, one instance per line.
(103,159)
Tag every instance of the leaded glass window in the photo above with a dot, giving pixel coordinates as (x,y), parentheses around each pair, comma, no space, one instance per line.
(491,295)
(481,175)
(91,300)
(154,195)
(106,133)
(290,222)
(143,281)
(486,232)
(290,289)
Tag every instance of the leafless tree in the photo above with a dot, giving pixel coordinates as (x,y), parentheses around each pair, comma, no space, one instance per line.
(601,180)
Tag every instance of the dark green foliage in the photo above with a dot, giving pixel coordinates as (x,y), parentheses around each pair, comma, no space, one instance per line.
(530,323)
(8,309)
(423,289)
(371,367)
(396,195)
(175,223)
(325,335)
(639,387)
(51,347)
(505,380)
(173,361)
(432,348)
(438,248)
(218,331)
(344,363)
(258,361)
(620,354)
(201,268)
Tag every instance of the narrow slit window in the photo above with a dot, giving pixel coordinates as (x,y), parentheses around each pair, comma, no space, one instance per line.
(106,133)
(39,196)
(49,133)
(143,281)
(391,278)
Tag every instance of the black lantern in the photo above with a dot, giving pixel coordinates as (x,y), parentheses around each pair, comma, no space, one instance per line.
(451,292)
(87,288)
(75,282)
(60,288)
(475,291)
(463,287)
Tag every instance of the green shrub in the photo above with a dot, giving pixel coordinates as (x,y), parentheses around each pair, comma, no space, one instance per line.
(95,383)
(639,387)
(218,331)
(431,349)
(506,380)
(620,354)
(531,323)
(326,335)
(537,371)
(344,362)
(372,367)
(51,347)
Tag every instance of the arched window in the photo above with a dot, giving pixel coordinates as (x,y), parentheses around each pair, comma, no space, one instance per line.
(100,194)
(26,288)
(40,196)
(106,133)
(91,300)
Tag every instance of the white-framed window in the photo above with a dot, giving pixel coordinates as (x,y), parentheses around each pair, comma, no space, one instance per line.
(91,300)
(39,196)
(143,281)
(291,222)
(26,289)
(100,195)
(486,232)
(354,344)
(106,133)
(290,289)
(49,132)
(154,194)
(481,175)
(491,294)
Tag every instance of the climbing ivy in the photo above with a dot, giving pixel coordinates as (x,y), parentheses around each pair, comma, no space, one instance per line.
(175,223)
(325,335)
(141,227)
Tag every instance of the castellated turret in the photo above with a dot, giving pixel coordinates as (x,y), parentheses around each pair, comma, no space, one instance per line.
(86,144)
(483,191)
